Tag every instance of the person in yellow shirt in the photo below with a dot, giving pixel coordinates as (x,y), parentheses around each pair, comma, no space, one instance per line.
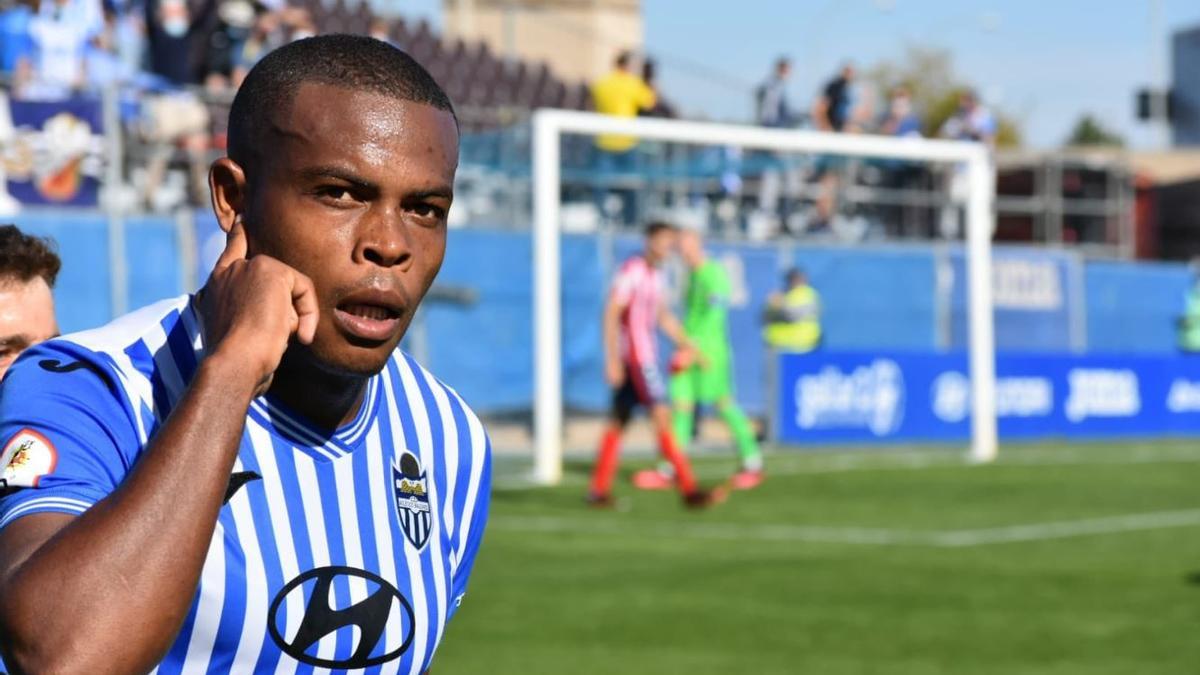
(793,317)
(620,93)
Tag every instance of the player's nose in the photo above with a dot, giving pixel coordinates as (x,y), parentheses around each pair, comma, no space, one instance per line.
(384,239)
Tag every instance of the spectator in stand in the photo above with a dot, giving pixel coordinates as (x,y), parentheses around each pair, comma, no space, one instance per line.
(901,119)
(972,121)
(28,268)
(772,107)
(779,177)
(661,107)
(14,34)
(52,68)
(836,109)
(621,93)
(168,28)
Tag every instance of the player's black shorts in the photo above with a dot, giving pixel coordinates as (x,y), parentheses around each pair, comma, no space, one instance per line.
(644,385)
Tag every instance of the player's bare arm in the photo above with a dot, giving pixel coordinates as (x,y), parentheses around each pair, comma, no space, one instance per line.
(108,590)
(670,325)
(614,369)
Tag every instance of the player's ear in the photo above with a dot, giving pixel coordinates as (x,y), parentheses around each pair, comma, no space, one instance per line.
(227,186)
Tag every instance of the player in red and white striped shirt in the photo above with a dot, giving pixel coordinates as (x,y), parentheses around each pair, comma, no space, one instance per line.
(636,310)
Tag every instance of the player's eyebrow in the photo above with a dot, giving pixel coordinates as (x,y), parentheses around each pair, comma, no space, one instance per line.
(442,192)
(15,341)
(337,173)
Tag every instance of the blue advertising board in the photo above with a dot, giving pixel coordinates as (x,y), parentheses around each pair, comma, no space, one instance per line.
(831,397)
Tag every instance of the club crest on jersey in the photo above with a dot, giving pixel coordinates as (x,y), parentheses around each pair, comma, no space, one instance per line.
(25,459)
(412,499)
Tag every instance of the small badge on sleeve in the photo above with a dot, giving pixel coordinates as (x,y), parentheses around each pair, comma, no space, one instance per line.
(26,457)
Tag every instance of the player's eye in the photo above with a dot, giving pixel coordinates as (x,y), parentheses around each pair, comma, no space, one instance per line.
(427,211)
(336,195)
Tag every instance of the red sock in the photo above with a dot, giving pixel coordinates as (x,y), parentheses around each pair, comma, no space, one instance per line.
(683,469)
(606,462)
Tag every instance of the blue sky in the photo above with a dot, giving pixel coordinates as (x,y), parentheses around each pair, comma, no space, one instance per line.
(1043,62)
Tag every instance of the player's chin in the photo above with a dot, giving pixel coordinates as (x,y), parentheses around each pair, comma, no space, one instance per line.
(356,354)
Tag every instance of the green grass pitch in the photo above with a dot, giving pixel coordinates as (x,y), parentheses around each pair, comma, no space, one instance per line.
(1057,559)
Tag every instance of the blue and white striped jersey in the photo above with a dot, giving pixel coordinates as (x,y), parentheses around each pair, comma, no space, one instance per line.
(342,551)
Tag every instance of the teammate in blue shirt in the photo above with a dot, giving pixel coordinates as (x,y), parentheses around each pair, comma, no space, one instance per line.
(255,478)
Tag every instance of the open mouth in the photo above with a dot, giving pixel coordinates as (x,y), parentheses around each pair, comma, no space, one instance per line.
(368,321)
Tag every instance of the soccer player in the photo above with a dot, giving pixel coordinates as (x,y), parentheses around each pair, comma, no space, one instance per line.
(635,311)
(28,268)
(255,479)
(707,379)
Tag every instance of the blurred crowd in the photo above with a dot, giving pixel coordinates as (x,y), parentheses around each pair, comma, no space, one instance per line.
(174,65)
(53,49)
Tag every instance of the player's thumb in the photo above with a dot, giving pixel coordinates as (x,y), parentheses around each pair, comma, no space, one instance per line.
(235,245)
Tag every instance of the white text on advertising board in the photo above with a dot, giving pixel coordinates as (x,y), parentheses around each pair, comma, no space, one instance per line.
(1102,392)
(870,397)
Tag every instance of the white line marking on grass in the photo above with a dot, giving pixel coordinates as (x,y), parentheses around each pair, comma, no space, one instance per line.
(856,535)
(1070,528)
(731,531)
(799,464)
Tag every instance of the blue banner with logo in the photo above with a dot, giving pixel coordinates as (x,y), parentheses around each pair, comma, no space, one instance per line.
(825,397)
(55,157)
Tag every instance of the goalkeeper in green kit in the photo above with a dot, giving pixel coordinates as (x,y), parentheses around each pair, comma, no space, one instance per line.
(705,375)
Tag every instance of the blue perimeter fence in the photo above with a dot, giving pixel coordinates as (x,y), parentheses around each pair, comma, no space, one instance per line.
(902,298)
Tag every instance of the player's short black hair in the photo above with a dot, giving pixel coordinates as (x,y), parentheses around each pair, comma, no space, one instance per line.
(655,226)
(351,61)
(24,256)
(793,275)
(623,59)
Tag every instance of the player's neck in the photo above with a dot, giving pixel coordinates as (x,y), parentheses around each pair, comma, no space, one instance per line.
(326,399)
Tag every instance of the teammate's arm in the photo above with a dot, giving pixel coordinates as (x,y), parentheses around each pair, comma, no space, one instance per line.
(108,590)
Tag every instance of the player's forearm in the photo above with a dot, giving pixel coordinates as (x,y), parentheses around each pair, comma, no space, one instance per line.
(110,590)
(673,330)
(612,327)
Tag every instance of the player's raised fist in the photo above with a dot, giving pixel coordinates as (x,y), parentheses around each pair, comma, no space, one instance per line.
(252,306)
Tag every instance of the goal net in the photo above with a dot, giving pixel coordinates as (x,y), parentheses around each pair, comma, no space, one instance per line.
(771,192)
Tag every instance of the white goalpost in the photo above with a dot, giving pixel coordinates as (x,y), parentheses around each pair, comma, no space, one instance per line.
(549,126)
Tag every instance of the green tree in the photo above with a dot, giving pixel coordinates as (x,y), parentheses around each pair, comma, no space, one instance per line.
(1088,131)
(929,76)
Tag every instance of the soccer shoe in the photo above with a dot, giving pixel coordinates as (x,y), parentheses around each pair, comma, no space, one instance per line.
(599,501)
(746,480)
(702,499)
(652,479)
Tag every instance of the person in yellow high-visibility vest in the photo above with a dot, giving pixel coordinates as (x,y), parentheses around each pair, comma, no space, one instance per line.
(793,317)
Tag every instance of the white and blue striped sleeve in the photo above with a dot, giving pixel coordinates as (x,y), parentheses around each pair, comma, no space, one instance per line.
(66,432)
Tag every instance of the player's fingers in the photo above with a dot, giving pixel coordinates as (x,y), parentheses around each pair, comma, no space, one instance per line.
(235,246)
(304,301)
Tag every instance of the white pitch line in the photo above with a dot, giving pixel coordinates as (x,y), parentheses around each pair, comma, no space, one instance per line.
(800,465)
(1070,528)
(863,536)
